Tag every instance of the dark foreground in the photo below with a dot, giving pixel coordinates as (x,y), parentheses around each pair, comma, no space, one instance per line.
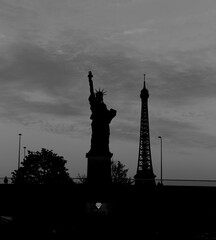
(78,212)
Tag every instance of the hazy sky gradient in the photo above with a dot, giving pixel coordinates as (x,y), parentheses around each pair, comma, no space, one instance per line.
(47,48)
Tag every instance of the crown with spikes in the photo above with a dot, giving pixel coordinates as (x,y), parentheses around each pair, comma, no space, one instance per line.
(100,92)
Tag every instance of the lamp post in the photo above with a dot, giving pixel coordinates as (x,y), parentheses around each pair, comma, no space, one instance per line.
(19,150)
(161,161)
(24,152)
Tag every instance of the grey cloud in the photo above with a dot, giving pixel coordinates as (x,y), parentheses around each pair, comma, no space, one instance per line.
(15,12)
(181,134)
(19,18)
(189,74)
(32,68)
(176,78)
(125,131)
(27,66)
(58,128)
(172,77)
(181,88)
(32,65)
(175,133)
(34,15)
(18,109)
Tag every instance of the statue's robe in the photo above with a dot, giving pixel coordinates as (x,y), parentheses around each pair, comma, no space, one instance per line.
(101,118)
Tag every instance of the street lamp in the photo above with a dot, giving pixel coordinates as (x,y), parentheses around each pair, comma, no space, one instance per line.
(19,150)
(161,161)
(24,152)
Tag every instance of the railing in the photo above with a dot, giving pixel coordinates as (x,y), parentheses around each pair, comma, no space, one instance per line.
(188,182)
(181,182)
(131,181)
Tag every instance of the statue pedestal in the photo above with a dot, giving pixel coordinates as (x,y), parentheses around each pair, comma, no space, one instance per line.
(99,170)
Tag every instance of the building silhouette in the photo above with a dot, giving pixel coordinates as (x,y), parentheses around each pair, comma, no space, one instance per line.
(144,174)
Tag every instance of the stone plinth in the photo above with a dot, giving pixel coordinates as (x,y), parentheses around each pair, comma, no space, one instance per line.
(99,169)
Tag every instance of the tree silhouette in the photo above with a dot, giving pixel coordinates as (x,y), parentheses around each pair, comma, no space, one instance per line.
(43,167)
(119,173)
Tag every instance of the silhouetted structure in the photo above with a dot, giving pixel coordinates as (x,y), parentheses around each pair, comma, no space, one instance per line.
(99,156)
(144,168)
(5,180)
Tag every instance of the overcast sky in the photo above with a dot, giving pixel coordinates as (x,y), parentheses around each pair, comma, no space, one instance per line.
(47,48)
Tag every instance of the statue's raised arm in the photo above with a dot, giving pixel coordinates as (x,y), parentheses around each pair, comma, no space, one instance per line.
(90,76)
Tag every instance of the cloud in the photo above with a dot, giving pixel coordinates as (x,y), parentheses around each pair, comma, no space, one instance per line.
(31,76)
(136,31)
(58,128)
(179,78)
(40,83)
(178,133)
(12,13)
(125,130)
(175,132)
(33,65)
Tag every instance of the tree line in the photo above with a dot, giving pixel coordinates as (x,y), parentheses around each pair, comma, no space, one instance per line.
(47,167)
